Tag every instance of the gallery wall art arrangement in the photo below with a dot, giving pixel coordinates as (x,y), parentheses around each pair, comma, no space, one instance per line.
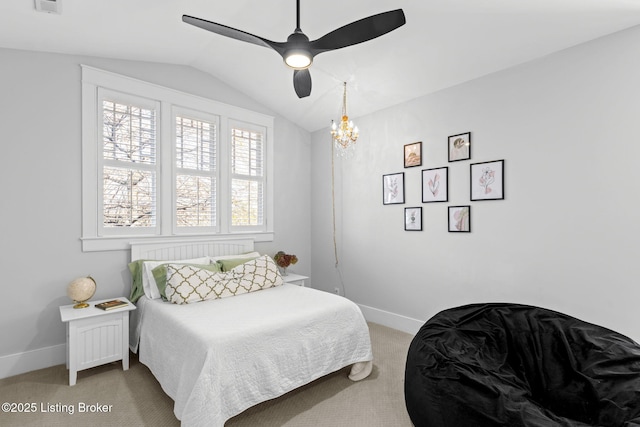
(486,182)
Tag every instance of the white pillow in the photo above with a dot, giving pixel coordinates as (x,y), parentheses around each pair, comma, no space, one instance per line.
(149,283)
(238,256)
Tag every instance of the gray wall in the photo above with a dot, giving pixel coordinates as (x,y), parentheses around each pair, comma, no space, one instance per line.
(40,227)
(567,235)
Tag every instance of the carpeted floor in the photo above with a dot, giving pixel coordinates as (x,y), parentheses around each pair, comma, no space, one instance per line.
(108,396)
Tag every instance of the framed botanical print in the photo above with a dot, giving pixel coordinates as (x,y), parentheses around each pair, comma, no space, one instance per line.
(460,219)
(487,180)
(393,189)
(413,219)
(413,155)
(459,147)
(435,185)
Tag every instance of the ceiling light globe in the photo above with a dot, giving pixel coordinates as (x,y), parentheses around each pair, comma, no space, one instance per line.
(298,59)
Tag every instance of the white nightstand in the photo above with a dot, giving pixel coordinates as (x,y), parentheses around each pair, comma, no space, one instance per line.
(96,337)
(295,279)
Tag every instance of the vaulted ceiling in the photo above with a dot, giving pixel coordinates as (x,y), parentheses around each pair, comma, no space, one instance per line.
(443,43)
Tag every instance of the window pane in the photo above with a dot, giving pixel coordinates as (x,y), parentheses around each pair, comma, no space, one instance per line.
(246,153)
(195,201)
(246,202)
(129,198)
(128,133)
(195,144)
(247,183)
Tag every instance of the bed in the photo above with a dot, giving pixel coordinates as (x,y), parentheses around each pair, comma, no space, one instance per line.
(218,357)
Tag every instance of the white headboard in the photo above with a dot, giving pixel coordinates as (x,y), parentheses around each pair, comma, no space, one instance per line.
(184,249)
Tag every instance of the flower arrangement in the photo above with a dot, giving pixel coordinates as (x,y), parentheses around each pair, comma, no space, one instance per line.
(285,260)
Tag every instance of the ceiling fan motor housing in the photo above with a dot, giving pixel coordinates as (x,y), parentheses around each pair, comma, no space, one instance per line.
(297,55)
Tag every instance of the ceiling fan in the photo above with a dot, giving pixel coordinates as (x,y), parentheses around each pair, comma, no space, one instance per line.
(298,51)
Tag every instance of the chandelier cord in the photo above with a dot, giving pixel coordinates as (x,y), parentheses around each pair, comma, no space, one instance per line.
(344,100)
(333,204)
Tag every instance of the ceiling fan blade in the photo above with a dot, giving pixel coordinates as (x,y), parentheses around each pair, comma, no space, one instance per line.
(233,33)
(359,31)
(302,82)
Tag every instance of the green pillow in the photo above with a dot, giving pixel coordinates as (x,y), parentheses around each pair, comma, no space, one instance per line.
(136,270)
(160,274)
(230,264)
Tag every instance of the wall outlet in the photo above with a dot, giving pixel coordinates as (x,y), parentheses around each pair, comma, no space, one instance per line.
(336,291)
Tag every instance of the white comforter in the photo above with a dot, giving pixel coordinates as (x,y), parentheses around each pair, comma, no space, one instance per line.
(218,358)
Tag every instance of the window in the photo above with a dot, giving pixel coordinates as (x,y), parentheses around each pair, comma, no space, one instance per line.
(196,173)
(128,163)
(247,177)
(162,163)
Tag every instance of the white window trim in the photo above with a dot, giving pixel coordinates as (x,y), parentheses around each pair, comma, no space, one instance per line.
(92,80)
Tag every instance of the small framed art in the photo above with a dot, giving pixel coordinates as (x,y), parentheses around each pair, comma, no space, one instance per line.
(435,185)
(460,219)
(413,219)
(393,189)
(487,180)
(413,155)
(459,147)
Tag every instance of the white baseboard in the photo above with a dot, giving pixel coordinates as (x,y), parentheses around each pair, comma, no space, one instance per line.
(19,363)
(391,320)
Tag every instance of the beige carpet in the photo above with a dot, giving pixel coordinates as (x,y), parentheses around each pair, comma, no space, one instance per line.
(134,397)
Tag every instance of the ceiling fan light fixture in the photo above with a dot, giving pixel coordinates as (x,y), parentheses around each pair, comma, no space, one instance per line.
(298,59)
(298,51)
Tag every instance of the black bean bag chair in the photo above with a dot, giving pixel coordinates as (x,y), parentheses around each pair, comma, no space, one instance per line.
(515,365)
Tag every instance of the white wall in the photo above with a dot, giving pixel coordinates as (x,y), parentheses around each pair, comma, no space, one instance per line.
(566,237)
(40,227)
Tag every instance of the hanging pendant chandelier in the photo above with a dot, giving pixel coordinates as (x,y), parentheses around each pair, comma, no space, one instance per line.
(344,134)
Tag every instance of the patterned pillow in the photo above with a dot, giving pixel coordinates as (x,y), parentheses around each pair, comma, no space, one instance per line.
(188,283)
(160,275)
